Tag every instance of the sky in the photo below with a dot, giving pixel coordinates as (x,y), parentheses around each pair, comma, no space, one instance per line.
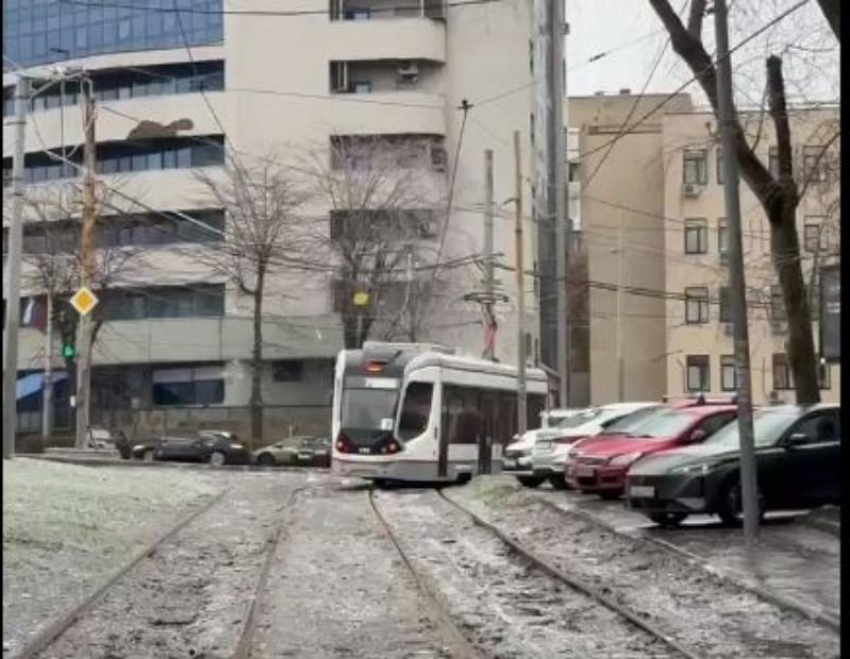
(633,33)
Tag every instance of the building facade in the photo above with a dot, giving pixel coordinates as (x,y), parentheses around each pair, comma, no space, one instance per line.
(237,86)
(699,329)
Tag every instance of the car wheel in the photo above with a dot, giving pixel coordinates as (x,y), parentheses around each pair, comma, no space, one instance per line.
(530,481)
(266,460)
(611,495)
(731,510)
(668,520)
(464,478)
(148,455)
(558,482)
(217,459)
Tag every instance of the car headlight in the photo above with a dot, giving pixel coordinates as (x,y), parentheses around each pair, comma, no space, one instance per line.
(236,446)
(625,459)
(697,469)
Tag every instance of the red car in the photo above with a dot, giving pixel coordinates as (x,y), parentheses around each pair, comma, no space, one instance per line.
(598,465)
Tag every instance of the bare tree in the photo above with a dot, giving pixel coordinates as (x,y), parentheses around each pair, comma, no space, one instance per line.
(382,218)
(263,236)
(778,192)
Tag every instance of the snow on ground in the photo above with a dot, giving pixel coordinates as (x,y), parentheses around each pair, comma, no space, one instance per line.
(66,528)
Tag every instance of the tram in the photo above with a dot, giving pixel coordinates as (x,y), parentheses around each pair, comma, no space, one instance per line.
(419,412)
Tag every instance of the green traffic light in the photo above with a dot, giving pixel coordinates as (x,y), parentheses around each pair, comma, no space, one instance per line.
(68,351)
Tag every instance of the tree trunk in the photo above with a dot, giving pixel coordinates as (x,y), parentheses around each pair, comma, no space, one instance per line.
(802,358)
(832,12)
(256,401)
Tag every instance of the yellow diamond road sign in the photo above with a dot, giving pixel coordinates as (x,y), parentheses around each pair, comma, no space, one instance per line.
(84,301)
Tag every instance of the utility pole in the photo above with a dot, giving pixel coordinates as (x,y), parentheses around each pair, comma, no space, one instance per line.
(737,282)
(489,280)
(558,181)
(47,402)
(520,293)
(13,302)
(87,248)
(621,379)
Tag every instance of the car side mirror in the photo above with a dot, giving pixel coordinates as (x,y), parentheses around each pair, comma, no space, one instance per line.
(697,435)
(797,439)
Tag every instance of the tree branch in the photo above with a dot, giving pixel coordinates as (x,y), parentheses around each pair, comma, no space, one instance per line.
(695,19)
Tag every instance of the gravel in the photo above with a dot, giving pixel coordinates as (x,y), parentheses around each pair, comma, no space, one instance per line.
(700,611)
(506,607)
(66,527)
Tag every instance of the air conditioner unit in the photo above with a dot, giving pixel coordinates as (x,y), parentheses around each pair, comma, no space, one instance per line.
(408,69)
(728,329)
(691,190)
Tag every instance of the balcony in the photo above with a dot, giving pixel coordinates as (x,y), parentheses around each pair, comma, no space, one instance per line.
(408,38)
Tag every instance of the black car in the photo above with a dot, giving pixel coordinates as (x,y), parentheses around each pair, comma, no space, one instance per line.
(213,446)
(798,466)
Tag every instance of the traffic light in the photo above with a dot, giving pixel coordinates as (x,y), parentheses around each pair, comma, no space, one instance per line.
(68,351)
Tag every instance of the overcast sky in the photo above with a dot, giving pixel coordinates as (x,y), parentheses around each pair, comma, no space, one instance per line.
(632,30)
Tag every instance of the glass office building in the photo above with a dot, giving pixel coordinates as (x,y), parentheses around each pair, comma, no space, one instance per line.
(45,31)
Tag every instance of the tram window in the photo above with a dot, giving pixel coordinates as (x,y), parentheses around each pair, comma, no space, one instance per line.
(416,410)
(368,409)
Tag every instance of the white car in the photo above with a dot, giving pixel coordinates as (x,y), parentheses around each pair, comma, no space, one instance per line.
(550,451)
(517,456)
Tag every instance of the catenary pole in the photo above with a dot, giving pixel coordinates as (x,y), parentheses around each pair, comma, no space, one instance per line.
(621,374)
(726,116)
(489,282)
(520,292)
(558,180)
(13,272)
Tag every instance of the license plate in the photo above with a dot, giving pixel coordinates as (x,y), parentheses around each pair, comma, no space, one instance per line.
(543,447)
(365,450)
(305,456)
(582,470)
(642,491)
(509,463)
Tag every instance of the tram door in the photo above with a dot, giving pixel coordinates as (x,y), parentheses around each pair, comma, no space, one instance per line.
(486,432)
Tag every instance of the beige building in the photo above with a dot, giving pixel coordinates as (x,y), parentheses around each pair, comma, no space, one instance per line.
(303,74)
(698,331)
(650,211)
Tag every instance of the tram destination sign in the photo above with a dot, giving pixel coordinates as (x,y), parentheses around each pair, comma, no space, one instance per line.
(830,313)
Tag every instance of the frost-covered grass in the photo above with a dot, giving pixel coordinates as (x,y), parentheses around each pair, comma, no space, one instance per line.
(490,490)
(66,527)
(57,506)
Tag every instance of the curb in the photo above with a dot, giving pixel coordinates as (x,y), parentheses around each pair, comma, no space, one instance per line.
(118,462)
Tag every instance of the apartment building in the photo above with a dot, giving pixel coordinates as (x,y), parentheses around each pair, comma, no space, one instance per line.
(617,184)
(262,78)
(698,328)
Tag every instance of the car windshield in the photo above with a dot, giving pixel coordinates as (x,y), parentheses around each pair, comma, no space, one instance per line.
(578,419)
(665,424)
(768,427)
(369,409)
(631,422)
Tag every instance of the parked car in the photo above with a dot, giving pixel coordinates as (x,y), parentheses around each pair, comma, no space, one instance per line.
(599,464)
(798,466)
(218,447)
(303,450)
(550,450)
(517,456)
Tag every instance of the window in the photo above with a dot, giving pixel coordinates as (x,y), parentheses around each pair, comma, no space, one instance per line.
(777,304)
(781,372)
(725,304)
(717,421)
(773,161)
(719,163)
(814,235)
(819,427)
(824,375)
(288,370)
(722,236)
(695,169)
(199,301)
(415,410)
(813,169)
(696,305)
(728,380)
(696,236)
(364,87)
(698,373)
(188,386)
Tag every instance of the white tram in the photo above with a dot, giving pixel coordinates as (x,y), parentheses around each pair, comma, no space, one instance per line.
(417,412)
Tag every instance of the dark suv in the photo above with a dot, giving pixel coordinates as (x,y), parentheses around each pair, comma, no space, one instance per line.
(798,465)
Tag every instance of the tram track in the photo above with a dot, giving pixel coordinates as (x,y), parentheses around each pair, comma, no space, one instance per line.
(646,576)
(572,582)
(162,599)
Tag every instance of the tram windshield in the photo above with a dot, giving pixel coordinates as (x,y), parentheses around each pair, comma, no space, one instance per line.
(369,409)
